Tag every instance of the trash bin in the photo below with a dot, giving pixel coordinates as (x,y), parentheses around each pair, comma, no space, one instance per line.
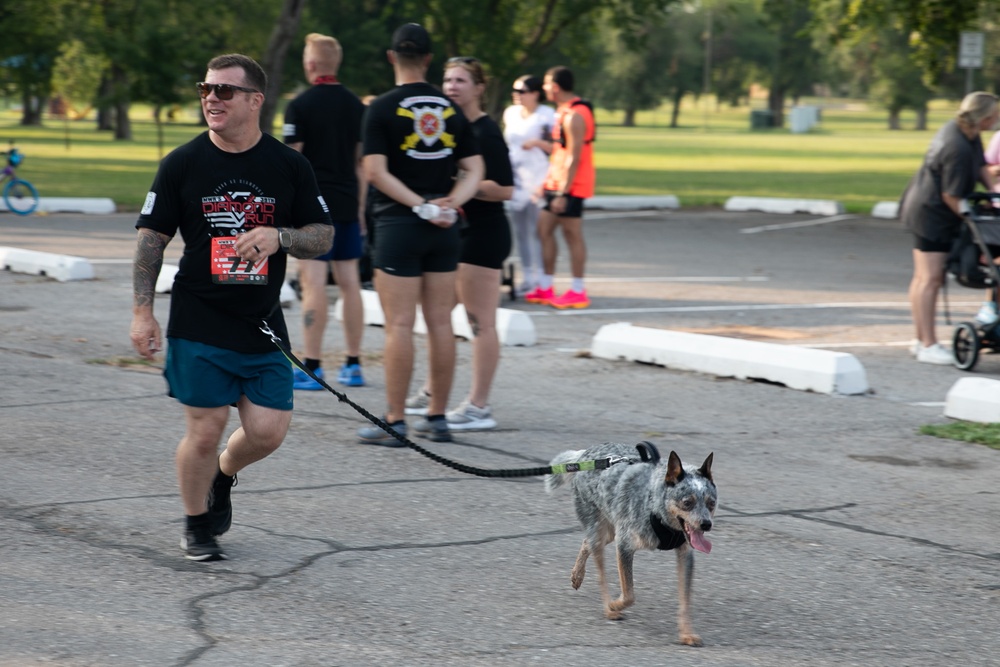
(761,119)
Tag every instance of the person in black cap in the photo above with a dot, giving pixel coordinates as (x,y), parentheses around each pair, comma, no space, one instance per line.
(418,148)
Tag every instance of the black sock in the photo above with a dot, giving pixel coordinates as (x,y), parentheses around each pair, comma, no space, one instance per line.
(353,361)
(197,522)
(435,418)
(312,364)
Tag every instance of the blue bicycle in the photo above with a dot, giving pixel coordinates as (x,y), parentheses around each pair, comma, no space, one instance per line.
(20,196)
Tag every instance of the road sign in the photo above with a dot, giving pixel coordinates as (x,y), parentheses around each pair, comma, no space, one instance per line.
(970,50)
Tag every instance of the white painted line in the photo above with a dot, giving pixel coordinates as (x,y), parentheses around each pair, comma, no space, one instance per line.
(678,279)
(618,215)
(928,404)
(110,261)
(736,308)
(794,225)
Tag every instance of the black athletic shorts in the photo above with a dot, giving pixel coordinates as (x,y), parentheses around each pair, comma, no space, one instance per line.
(486,243)
(574,205)
(408,246)
(926,245)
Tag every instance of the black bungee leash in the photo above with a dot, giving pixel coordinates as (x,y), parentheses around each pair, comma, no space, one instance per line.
(647,451)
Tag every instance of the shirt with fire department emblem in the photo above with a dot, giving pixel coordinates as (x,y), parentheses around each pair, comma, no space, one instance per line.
(423,136)
(210,197)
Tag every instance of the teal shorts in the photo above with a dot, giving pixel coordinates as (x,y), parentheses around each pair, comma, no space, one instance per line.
(205,376)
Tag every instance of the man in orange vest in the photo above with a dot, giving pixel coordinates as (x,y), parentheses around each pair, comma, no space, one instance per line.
(570,180)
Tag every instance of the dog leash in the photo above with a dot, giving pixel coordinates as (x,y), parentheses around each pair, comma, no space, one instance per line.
(647,451)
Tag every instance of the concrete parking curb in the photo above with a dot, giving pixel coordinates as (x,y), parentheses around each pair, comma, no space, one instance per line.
(60,267)
(975,400)
(795,367)
(886,209)
(92,205)
(514,328)
(633,202)
(781,205)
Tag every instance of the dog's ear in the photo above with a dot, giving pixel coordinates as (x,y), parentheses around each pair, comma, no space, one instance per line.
(675,471)
(706,468)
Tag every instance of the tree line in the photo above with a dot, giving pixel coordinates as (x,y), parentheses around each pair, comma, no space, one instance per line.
(629,55)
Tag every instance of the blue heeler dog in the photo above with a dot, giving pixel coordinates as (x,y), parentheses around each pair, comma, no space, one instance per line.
(640,502)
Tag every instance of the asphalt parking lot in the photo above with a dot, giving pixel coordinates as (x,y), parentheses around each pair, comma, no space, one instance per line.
(843,537)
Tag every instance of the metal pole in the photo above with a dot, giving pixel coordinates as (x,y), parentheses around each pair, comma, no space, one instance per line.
(968,80)
(707,81)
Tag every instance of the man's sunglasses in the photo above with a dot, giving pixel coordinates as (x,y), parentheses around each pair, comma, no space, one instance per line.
(224,91)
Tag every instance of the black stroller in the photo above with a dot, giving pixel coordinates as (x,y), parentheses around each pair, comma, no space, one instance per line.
(971,261)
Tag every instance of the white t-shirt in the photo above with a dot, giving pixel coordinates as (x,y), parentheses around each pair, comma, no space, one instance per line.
(992,154)
(531,165)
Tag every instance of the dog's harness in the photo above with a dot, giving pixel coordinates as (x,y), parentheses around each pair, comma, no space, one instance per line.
(670,538)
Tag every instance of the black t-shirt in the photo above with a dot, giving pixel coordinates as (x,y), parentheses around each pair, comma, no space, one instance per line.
(423,135)
(497,159)
(210,196)
(326,119)
(951,166)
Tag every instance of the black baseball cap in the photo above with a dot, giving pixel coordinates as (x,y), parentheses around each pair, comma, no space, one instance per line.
(411,39)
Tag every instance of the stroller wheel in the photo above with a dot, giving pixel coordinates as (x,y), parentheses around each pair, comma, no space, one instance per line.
(965,344)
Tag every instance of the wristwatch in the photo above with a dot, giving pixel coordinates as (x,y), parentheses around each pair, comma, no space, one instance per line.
(285,239)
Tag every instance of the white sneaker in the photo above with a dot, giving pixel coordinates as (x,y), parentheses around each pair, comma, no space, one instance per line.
(987,313)
(935,354)
(468,417)
(915,346)
(417,404)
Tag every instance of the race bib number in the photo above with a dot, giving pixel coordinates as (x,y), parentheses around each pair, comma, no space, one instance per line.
(228,268)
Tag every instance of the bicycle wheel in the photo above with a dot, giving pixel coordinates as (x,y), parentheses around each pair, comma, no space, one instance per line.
(20,196)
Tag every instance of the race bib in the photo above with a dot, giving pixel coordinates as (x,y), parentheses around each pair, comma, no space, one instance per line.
(228,268)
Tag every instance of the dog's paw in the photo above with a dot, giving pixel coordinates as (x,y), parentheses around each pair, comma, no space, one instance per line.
(613,614)
(690,639)
(576,578)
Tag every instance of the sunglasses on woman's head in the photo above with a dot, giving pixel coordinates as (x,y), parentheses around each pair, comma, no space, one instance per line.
(224,91)
(521,91)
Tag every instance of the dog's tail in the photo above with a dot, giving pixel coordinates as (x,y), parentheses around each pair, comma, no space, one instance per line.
(553,482)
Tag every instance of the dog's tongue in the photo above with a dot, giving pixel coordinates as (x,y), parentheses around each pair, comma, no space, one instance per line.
(699,541)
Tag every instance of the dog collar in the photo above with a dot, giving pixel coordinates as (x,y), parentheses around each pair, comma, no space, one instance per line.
(670,538)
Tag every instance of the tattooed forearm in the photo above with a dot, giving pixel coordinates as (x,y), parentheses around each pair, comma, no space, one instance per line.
(311,241)
(146,266)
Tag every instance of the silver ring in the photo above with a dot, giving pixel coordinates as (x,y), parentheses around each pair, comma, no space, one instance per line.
(256,249)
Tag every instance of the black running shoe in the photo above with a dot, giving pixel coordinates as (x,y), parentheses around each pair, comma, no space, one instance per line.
(201,546)
(220,505)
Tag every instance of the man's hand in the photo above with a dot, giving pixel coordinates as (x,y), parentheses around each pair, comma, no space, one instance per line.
(258,243)
(558,204)
(145,334)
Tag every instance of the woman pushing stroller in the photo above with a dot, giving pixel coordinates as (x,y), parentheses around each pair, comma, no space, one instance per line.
(930,209)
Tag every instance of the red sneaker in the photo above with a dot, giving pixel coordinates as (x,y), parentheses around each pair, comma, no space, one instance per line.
(540,296)
(571,299)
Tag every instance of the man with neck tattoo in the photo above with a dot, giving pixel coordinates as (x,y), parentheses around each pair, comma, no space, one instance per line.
(243,202)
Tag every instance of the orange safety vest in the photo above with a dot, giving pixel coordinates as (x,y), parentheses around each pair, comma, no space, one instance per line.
(586,176)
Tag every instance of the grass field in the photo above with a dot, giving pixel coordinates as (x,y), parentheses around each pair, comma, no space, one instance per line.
(849,156)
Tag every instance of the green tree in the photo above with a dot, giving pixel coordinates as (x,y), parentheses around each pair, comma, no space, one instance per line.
(32,33)
(932,26)
(742,49)
(76,76)
(515,36)
(795,65)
